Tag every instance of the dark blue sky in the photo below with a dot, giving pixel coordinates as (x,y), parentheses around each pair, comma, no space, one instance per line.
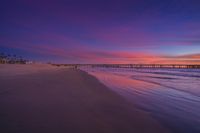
(102,31)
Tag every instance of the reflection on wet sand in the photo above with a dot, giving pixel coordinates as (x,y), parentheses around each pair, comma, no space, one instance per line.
(170,95)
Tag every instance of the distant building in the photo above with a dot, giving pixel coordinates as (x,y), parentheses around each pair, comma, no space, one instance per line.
(12,59)
(29,62)
(3,61)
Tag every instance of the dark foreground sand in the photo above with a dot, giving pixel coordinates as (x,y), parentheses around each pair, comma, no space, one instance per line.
(46,99)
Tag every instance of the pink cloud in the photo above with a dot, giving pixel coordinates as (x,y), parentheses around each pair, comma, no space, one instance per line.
(122,36)
(86,55)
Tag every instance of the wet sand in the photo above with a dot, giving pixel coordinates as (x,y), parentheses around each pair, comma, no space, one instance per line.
(48,99)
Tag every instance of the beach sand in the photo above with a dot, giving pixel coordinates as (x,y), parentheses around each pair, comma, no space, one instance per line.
(49,99)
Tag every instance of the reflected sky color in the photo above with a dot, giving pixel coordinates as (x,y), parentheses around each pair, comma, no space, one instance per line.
(102,31)
(170,95)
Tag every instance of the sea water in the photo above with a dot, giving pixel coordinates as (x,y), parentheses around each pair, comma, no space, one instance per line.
(171,96)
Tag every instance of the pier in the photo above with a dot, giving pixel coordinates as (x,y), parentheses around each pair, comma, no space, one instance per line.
(177,66)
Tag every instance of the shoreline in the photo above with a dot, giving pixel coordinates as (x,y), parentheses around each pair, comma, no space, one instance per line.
(44,98)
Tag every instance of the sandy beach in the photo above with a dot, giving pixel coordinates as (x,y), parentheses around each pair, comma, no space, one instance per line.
(49,99)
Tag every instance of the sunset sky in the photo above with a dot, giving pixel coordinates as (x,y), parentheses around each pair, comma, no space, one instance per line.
(102,31)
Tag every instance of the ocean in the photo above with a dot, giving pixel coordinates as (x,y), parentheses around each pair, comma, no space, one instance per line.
(171,96)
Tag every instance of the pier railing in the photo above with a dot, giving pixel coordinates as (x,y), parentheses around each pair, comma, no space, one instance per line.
(186,66)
